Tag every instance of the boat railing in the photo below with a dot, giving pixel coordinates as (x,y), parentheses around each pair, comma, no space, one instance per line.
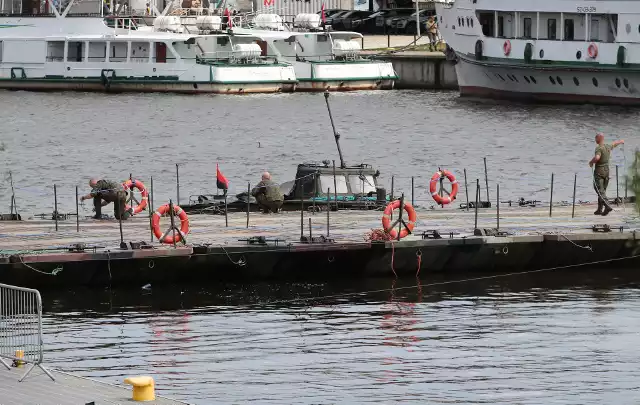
(231,56)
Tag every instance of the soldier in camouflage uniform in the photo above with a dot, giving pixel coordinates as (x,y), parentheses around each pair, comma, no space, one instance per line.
(268,194)
(601,172)
(104,192)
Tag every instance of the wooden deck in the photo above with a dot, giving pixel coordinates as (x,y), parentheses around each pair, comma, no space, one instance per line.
(38,389)
(345,226)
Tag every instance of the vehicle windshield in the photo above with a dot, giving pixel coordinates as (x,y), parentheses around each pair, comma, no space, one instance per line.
(362,184)
(341,14)
(326,182)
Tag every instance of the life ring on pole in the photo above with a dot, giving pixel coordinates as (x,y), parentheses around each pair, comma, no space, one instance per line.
(436,194)
(167,237)
(506,47)
(390,229)
(142,205)
(592,50)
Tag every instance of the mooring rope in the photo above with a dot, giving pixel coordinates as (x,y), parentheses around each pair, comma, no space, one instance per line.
(441,283)
(53,272)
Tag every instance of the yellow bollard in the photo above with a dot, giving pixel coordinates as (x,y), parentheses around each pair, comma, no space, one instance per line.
(143,388)
(19,355)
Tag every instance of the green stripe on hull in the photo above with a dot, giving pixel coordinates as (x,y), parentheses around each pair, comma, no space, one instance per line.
(550,64)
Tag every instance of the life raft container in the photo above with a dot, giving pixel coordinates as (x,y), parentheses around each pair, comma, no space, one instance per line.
(506,47)
(390,228)
(592,50)
(167,237)
(129,185)
(433,186)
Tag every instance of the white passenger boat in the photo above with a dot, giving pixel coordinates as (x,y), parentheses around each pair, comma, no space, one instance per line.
(323,60)
(547,50)
(58,49)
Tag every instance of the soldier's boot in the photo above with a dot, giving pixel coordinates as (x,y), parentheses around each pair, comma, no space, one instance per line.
(607,210)
(97,205)
(599,210)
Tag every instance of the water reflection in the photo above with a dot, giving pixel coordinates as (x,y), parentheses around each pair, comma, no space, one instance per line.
(540,338)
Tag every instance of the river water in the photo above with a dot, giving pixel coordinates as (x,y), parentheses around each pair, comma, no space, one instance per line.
(67,138)
(536,339)
(561,338)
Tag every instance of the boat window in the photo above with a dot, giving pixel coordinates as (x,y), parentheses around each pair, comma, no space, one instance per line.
(139,52)
(527,79)
(625,81)
(321,38)
(595,81)
(578,55)
(360,184)
(568,30)
(500,26)
(118,52)
(527,28)
(551,80)
(55,51)
(595,30)
(551,28)
(533,79)
(97,51)
(75,51)
(575,80)
(559,80)
(487,21)
(326,182)
(618,83)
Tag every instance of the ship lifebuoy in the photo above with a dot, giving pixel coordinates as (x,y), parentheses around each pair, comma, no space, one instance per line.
(442,200)
(167,237)
(130,184)
(386,219)
(592,51)
(506,47)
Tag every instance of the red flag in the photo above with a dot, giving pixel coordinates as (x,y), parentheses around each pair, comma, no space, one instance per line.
(324,18)
(221,181)
(229,22)
(268,2)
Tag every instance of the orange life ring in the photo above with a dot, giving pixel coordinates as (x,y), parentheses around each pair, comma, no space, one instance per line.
(506,47)
(442,200)
(128,185)
(592,50)
(386,219)
(167,237)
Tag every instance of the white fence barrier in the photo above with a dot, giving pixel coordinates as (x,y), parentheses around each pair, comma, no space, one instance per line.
(21,328)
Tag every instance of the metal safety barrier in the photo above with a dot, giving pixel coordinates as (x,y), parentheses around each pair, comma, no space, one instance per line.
(21,328)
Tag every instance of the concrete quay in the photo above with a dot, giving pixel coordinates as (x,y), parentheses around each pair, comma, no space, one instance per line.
(416,69)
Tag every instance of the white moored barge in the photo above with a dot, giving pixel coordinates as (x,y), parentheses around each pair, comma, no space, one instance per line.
(322,59)
(57,49)
(547,50)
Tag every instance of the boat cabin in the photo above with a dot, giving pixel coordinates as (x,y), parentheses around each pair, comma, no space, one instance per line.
(351,183)
(544,25)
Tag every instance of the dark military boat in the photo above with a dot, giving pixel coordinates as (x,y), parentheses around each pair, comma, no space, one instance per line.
(316,186)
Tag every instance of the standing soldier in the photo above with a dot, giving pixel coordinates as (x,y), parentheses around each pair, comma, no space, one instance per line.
(432,33)
(601,172)
(104,192)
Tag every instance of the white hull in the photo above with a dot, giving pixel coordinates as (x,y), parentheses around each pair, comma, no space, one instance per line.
(518,82)
(549,50)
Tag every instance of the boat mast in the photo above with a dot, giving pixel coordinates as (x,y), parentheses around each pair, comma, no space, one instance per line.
(335,134)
